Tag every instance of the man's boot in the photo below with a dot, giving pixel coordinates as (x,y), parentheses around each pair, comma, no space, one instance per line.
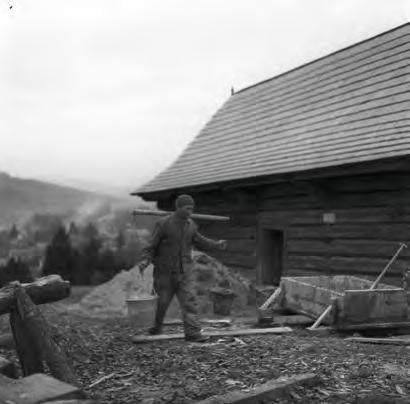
(155,330)
(197,338)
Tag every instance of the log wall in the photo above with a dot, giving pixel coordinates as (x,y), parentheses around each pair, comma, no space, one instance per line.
(372,213)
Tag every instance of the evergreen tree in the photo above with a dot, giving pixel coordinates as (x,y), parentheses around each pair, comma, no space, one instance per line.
(60,258)
(13,233)
(15,270)
(90,232)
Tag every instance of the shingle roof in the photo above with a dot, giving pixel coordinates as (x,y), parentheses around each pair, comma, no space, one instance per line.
(348,107)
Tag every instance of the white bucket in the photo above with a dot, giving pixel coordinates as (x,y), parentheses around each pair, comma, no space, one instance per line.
(141,310)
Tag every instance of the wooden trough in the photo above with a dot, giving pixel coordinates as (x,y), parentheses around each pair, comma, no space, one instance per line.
(354,305)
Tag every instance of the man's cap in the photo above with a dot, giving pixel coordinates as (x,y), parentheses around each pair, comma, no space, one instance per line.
(184,200)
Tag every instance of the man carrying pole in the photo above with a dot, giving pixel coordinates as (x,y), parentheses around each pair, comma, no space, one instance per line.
(170,250)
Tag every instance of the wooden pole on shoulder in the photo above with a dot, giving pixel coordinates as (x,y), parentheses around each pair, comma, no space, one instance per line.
(197,216)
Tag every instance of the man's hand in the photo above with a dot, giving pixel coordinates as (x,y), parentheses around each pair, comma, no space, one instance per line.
(142,265)
(223,244)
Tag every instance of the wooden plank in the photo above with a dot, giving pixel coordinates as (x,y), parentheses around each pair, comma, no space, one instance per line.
(221,322)
(264,393)
(383,341)
(71,402)
(218,333)
(36,388)
(369,326)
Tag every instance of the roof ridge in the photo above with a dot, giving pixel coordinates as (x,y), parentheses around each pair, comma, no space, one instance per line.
(322,58)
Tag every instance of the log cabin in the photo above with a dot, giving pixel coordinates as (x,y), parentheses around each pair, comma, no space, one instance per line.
(312,166)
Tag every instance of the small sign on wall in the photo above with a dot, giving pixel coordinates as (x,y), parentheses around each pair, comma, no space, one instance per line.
(329,217)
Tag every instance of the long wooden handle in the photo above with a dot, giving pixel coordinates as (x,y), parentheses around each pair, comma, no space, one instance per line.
(321,317)
(275,295)
(197,216)
(379,278)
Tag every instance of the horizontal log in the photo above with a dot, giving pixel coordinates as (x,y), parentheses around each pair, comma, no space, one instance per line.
(237,260)
(229,232)
(334,199)
(44,290)
(289,217)
(345,248)
(346,265)
(388,231)
(359,183)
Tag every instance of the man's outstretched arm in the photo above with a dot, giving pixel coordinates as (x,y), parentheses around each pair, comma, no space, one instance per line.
(203,243)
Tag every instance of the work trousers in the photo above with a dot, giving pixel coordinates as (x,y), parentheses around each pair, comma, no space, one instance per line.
(183,286)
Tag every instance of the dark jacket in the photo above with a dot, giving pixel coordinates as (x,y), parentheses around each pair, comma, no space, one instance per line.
(170,247)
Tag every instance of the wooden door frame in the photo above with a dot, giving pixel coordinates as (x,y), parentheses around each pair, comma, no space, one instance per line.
(269,227)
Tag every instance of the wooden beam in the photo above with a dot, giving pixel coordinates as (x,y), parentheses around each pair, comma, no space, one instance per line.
(219,333)
(27,351)
(197,216)
(44,290)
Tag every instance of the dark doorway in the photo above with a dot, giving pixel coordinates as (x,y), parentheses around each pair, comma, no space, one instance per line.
(271,245)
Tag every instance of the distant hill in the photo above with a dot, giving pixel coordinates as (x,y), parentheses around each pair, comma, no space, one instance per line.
(21,198)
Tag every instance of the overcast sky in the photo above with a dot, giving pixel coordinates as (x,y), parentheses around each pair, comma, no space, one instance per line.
(98,92)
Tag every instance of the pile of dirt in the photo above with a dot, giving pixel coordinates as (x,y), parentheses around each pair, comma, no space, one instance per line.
(109,299)
(211,273)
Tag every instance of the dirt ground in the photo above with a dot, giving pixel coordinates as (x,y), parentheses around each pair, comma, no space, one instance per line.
(182,373)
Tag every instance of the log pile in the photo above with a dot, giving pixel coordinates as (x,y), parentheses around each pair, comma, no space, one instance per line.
(33,337)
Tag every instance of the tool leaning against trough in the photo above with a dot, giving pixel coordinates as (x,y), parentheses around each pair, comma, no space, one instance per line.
(373,286)
(170,251)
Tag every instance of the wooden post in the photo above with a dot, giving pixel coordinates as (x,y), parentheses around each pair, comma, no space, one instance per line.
(38,328)
(30,358)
